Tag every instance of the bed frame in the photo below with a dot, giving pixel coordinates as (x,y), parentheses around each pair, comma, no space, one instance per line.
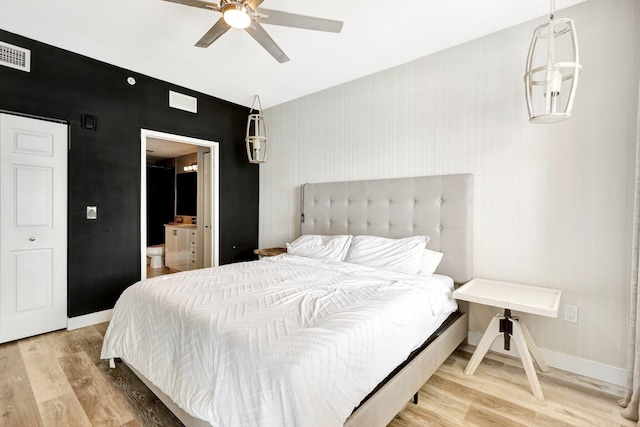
(440,207)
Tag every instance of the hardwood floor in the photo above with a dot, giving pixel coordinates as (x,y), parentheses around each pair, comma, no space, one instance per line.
(498,394)
(57,379)
(155,272)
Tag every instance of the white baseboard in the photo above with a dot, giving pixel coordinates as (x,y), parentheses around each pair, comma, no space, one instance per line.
(576,365)
(88,319)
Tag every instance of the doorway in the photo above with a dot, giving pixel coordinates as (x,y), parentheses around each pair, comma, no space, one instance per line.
(207,224)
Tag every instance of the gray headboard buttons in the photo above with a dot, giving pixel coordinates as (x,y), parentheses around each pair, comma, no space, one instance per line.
(390,208)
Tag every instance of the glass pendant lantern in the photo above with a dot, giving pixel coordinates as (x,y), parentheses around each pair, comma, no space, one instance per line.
(256,139)
(552,69)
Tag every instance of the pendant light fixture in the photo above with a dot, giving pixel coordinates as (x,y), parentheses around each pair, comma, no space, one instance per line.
(551,75)
(256,139)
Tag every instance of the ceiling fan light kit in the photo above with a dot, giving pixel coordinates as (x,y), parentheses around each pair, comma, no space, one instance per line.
(550,83)
(236,16)
(245,15)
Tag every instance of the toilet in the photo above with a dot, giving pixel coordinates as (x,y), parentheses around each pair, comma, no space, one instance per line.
(156,254)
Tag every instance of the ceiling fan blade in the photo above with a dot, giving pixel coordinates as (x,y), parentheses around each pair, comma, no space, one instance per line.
(285,19)
(214,33)
(196,3)
(260,35)
(253,4)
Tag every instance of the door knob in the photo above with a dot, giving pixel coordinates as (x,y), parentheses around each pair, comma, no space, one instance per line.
(32,239)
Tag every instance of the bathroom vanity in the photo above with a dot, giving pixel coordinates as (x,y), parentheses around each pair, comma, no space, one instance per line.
(181,247)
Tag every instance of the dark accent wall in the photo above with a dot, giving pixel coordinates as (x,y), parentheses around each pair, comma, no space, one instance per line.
(104,163)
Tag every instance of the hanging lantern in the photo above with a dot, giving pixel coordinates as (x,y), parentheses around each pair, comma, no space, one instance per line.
(257,140)
(551,75)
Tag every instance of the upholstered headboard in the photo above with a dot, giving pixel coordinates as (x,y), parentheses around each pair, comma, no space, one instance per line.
(440,207)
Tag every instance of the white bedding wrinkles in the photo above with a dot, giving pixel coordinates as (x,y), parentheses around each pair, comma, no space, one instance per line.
(284,341)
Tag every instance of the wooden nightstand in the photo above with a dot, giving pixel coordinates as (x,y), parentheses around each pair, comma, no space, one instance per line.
(511,296)
(269,251)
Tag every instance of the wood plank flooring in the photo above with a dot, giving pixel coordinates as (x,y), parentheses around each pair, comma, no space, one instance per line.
(155,272)
(498,394)
(57,379)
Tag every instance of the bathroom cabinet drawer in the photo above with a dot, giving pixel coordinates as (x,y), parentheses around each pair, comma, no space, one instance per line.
(193,250)
(181,248)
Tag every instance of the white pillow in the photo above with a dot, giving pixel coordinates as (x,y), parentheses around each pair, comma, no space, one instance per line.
(400,255)
(333,248)
(430,261)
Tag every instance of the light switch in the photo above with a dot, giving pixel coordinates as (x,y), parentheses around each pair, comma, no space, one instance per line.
(92,212)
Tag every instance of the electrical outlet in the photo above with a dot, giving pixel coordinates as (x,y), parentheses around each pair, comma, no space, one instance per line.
(570,313)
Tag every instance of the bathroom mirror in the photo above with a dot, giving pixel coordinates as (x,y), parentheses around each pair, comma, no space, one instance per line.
(186,193)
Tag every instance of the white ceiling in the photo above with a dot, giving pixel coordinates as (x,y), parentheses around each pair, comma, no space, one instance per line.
(156,38)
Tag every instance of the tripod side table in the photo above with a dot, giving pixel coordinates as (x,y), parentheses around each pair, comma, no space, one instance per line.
(511,296)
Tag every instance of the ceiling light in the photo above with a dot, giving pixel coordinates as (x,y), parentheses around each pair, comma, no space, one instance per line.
(550,82)
(236,15)
(256,139)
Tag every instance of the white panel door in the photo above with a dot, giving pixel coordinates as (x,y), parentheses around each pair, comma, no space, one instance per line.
(33,227)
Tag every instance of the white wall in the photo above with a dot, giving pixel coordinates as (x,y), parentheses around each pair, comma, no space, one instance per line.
(553,202)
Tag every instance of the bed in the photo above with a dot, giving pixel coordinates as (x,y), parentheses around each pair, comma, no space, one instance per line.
(303,340)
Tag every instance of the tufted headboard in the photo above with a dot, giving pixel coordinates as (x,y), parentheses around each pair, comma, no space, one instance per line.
(440,207)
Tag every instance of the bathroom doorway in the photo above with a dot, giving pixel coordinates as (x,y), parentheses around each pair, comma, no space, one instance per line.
(182,152)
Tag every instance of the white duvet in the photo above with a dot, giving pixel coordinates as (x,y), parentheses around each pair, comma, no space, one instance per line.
(284,341)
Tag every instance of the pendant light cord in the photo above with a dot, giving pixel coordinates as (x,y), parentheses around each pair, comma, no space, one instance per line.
(553,9)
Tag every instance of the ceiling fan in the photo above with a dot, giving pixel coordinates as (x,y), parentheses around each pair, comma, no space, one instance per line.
(245,15)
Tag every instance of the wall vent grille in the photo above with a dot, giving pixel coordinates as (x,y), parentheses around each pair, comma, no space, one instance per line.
(15,57)
(183,102)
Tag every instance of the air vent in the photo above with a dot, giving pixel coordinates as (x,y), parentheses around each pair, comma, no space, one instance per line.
(15,57)
(183,102)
